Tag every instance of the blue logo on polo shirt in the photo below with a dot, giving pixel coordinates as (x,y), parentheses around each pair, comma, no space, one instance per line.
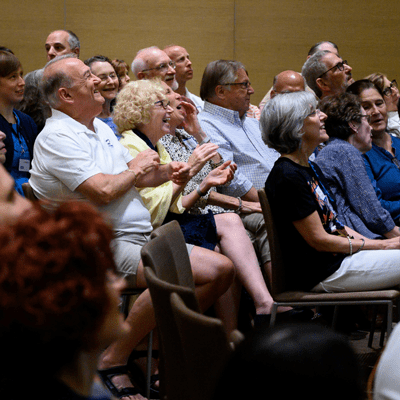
(109,143)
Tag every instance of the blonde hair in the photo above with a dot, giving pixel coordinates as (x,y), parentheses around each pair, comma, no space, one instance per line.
(134,102)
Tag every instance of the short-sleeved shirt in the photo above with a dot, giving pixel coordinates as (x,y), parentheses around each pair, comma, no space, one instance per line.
(67,153)
(295,192)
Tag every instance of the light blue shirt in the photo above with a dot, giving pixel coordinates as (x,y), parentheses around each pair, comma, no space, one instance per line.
(239,140)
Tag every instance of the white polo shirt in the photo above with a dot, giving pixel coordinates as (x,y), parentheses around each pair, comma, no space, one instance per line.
(67,153)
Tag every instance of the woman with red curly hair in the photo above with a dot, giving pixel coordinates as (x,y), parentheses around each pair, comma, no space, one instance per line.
(59,302)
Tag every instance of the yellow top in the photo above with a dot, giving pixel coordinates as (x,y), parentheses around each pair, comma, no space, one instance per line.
(156,199)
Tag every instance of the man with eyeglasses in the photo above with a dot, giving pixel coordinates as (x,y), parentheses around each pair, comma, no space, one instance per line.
(151,62)
(184,72)
(226,91)
(327,74)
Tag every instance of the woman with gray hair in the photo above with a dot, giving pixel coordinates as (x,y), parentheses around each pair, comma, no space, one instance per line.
(320,253)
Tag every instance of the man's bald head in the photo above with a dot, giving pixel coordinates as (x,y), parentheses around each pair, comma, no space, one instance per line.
(287,81)
(152,62)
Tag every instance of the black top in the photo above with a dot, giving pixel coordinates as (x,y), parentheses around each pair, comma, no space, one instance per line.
(294,193)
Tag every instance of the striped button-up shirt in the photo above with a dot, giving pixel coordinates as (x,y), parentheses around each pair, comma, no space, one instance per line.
(239,140)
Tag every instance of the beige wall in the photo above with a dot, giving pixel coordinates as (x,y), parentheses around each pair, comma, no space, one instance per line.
(267,36)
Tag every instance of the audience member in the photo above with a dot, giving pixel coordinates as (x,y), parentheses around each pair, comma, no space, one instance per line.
(20,129)
(226,89)
(327,74)
(383,160)
(310,233)
(33,103)
(152,62)
(292,361)
(391,95)
(184,72)
(225,230)
(59,302)
(108,87)
(78,156)
(62,42)
(343,167)
(122,70)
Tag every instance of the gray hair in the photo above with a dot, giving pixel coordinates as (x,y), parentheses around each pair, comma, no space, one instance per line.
(51,84)
(138,63)
(282,119)
(73,40)
(219,72)
(313,68)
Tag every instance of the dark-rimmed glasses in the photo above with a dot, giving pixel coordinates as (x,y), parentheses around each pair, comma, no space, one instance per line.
(162,67)
(339,66)
(163,103)
(388,90)
(244,85)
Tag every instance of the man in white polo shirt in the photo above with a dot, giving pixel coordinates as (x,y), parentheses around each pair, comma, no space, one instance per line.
(78,156)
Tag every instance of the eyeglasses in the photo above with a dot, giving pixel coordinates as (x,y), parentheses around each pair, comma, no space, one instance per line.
(163,103)
(367,117)
(316,111)
(162,67)
(388,90)
(340,66)
(244,85)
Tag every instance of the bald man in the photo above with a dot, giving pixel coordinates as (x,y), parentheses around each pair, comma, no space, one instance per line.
(287,81)
(62,42)
(184,72)
(151,62)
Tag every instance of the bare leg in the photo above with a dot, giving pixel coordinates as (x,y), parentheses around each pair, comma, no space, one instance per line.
(236,245)
(212,273)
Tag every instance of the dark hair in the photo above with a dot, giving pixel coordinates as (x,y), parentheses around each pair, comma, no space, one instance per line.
(288,361)
(98,58)
(73,40)
(217,73)
(53,287)
(362,84)
(3,48)
(33,102)
(315,48)
(8,63)
(341,109)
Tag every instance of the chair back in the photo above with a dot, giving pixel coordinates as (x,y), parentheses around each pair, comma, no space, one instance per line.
(205,345)
(277,268)
(167,255)
(174,382)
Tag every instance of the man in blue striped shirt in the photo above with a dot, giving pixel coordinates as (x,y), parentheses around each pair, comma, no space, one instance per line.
(226,89)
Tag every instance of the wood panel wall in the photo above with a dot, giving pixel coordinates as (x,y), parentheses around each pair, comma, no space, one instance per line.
(267,36)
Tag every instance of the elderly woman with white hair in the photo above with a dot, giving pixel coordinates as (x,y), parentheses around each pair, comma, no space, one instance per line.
(137,119)
(321,254)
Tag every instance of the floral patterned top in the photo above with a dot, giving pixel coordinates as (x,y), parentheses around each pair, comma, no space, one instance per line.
(180,148)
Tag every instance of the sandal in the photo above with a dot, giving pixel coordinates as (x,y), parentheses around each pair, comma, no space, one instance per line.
(106,376)
(154,390)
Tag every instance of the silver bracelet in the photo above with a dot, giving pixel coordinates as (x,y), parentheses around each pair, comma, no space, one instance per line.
(362,246)
(199,192)
(237,211)
(350,245)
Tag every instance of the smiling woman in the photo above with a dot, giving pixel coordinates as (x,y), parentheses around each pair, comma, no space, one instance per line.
(20,129)
(108,86)
(383,160)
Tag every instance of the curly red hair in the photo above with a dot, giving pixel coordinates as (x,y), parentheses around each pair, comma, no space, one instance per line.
(53,284)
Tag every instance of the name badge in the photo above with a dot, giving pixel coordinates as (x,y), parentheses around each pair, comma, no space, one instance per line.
(24,165)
